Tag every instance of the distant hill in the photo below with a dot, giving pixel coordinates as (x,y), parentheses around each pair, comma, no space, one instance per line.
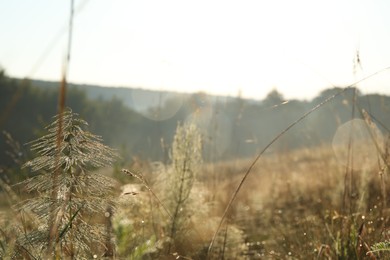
(142,122)
(138,99)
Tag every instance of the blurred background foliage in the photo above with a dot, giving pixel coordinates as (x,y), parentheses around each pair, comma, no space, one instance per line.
(231,127)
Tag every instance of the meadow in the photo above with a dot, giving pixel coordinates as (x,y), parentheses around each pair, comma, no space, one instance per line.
(295,205)
(322,202)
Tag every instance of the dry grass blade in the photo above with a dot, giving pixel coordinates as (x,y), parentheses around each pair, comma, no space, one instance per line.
(371,131)
(143,181)
(65,229)
(324,251)
(26,254)
(271,143)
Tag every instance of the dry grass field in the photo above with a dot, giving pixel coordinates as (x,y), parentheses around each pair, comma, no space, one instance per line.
(299,205)
(325,202)
(302,204)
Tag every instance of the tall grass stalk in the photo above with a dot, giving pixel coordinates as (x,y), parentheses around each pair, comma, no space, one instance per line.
(53,233)
(382,152)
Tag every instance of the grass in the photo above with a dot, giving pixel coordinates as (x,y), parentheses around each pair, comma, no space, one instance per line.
(301,204)
(291,207)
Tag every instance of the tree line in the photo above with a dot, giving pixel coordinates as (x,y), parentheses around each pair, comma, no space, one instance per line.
(231,128)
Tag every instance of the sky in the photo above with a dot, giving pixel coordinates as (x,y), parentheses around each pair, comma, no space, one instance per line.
(217,46)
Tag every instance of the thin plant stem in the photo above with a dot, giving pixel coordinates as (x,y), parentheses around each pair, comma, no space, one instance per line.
(53,235)
(144,182)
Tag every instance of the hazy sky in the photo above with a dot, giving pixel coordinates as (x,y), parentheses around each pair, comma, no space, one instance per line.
(222,47)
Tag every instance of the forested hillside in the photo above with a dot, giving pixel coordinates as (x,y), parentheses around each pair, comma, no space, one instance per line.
(232,127)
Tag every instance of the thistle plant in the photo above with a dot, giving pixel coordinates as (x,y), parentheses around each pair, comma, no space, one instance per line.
(68,193)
